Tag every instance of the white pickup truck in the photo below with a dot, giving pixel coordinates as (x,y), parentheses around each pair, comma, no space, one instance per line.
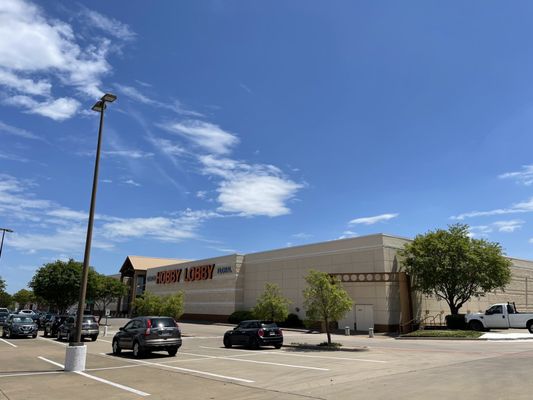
(499,316)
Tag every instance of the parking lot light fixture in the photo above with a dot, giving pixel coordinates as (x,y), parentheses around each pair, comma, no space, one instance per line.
(76,351)
(4,230)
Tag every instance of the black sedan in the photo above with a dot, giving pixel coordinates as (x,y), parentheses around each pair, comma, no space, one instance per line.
(19,325)
(254,333)
(52,325)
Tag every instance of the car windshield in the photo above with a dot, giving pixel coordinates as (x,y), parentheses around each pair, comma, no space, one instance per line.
(3,313)
(268,325)
(163,322)
(22,319)
(88,320)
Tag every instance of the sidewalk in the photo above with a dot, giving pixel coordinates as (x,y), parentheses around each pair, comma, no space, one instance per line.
(506,336)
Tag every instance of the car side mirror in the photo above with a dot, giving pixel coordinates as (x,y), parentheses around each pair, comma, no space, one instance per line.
(121,328)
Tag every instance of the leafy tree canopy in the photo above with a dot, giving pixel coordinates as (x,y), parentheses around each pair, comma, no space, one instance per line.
(2,284)
(325,299)
(58,283)
(454,267)
(23,297)
(171,305)
(6,300)
(271,305)
(106,290)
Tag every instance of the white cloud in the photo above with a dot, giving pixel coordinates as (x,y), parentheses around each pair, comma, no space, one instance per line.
(523,207)
(128,153)
(207,136)
(109,25)
(251,195)
(302,235)
(24,85)
(65,213)
(12,130)
(132,183)
(524,177)
(174,105)
(201,194)
(39,53)
(13,157)
(58,109)
(508,226)
(167,146)
(531,240)
(373,220)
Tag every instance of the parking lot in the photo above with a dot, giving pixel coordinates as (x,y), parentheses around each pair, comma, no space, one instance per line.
(377,368)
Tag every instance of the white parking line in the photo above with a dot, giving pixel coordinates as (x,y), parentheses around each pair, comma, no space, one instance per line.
(117,385)
(30,374)
(296,355)
(103,340)
(51,340)
(192,371)
(5,341)
(253,361)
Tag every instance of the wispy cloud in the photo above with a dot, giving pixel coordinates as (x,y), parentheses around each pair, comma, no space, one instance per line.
(302,235)
(531,240)
(128,153)
(57,109)
(132,183)
(13,130)
(12,157)
(522,207)
(173,105)
(525,176)
(208,137)
(498,226)
(373,220)
(109,25)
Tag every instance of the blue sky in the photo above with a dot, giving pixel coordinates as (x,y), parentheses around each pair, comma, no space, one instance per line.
(246,126)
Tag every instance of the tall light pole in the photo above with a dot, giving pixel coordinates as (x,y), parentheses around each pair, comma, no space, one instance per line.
(4,230)
(76,352)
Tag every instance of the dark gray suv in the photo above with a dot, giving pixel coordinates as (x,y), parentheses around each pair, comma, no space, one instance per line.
(19,325)
(146,334)
(89,328)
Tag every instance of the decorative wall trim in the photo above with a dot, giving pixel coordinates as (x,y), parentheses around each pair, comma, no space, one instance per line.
(370,277)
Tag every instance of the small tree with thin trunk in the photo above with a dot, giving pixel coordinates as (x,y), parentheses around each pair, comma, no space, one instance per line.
(271,305)
(106,290)
(325,299)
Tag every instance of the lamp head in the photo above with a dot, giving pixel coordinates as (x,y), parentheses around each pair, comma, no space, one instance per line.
(99,106)
(109,97)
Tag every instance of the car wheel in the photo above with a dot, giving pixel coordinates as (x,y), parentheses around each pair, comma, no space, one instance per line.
(475,326)
(227,342)
(278,346)
(34,335)
(94,337)
(7,334)
(172,351)
(530,326)
(45,333)
(59,338)
(3,333)
(138,351)
(116,348)
(254,343)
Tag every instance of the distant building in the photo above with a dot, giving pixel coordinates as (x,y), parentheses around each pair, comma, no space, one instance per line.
(367,267)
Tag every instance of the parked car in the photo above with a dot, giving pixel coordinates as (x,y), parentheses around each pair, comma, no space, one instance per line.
(19,325)
(89,328)
(52,325)
(4,313)
(146,334)
(254,333)
(44,318)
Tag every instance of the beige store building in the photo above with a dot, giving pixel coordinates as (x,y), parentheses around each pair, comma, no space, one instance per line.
(367,267)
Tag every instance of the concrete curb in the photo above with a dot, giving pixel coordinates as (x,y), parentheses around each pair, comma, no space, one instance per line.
(315,347)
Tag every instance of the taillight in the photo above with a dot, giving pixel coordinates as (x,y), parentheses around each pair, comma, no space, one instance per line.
(279,332)
(261,332)
(148,330)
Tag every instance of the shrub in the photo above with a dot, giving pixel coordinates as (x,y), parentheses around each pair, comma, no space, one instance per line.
(456,321)
(239,316)
(292,321)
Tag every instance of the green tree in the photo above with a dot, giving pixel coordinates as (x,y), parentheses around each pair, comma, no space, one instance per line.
(6,300)
(150,304)
(2,284)
(271,305)
(173,305)
(325,299)
(58,283)
(106,290)
(23,297)
(452,266)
